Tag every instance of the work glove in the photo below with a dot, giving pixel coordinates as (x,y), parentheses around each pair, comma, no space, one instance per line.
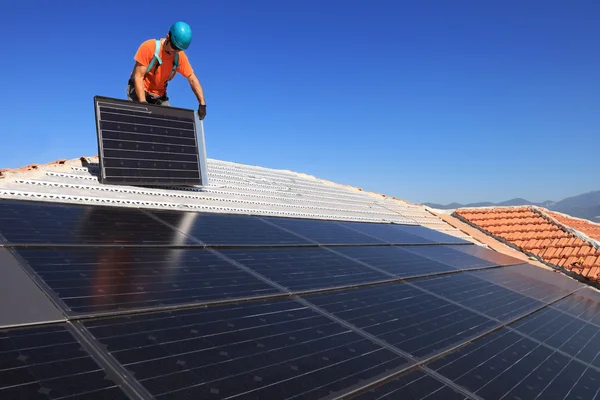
(201,111)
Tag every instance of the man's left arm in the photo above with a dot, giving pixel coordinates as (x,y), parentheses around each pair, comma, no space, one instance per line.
(197,89)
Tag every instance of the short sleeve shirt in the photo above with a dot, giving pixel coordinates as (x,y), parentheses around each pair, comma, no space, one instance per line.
(154,81)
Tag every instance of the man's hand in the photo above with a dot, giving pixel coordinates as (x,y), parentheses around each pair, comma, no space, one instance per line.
(201,111)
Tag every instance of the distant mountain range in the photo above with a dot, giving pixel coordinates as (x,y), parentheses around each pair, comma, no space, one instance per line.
(585,205)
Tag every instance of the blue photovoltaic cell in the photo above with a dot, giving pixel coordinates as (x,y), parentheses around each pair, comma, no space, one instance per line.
(414,321)
(49,363)
(28,222)
(104,279)
(505,364)
(146,144)
(572,336)
(228,229)
(304,268)
(528,280)
(395,260)
(323,231)
(389,233)
(451,257)
(485,297)
(267,350)
(583,304)
(414,385)
(430,234)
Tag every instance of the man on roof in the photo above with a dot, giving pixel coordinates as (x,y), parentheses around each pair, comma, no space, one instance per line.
(156,63)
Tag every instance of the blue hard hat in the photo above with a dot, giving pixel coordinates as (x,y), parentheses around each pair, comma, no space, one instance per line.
(181,35)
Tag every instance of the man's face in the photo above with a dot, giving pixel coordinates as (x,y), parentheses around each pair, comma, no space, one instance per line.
(170,47)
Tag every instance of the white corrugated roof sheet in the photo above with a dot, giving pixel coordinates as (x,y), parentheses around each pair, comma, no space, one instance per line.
(232,188)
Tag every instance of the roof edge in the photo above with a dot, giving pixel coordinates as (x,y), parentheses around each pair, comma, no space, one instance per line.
(577,233)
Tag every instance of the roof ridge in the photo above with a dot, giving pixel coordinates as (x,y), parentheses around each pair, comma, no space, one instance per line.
(86,160)
(577,233)
(565,215)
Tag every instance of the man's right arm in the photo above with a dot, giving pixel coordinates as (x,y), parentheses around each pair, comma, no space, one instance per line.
(138,79)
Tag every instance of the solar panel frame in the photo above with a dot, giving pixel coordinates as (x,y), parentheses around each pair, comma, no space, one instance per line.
(111,147)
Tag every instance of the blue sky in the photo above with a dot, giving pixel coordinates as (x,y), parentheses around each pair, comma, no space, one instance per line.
(429,101)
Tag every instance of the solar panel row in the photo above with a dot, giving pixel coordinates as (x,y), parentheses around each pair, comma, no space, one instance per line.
(43,223)
(339,312)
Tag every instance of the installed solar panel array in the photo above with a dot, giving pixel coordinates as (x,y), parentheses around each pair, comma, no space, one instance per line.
(175,305)
(145,144)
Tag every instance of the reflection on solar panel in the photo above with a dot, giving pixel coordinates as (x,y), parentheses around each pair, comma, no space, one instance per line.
(227,229)
(487,254)
(41,223)
(430,234)
(181,305)
(450,256)
(103,279)
(146,144)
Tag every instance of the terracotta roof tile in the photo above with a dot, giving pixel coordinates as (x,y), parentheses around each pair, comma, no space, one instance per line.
(548,252)
(591,260)
(537,252)
(533,230)
(587,227)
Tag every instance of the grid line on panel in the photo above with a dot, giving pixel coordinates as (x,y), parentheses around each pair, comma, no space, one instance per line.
(513,364)
(109,364)
(552,348)
(44,287)
(283,292)
(397,351)
(244,340)
(383,344)
(423,363)
(37,360)
(416,383)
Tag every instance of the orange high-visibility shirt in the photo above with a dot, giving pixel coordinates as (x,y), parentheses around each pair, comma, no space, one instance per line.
(154,81)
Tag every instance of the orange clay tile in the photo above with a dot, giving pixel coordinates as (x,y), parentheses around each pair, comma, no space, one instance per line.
(30,167)
(590,229)
(536,231)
